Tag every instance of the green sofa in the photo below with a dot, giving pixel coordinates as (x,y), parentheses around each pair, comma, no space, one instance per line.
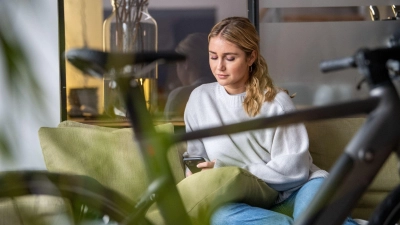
(110,156)
(328,139)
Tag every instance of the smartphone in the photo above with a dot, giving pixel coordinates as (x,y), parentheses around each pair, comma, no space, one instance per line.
(191,163)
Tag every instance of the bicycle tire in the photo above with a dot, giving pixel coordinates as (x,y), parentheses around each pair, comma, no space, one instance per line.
(78,189)
(388,212)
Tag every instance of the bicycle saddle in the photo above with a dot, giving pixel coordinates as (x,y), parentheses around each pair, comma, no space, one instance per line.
(97,63)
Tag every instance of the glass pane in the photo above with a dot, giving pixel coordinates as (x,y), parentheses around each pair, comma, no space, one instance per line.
(295,41)
(181,26)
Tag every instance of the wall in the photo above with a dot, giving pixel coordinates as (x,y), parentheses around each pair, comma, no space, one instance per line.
(77,35)
(297,36)
(35,24)
(295,50)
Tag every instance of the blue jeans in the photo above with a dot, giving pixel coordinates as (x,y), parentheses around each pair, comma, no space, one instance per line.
(283,213)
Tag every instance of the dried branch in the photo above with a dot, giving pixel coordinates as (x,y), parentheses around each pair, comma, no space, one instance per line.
(128,12)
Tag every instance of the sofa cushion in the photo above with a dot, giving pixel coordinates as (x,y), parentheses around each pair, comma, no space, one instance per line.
(203,192)
(107,154)
(328,139)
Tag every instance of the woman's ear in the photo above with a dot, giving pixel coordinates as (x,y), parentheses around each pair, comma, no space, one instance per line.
(252,58)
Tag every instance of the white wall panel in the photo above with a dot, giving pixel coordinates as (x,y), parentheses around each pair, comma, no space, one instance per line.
(35,25)
(294,51)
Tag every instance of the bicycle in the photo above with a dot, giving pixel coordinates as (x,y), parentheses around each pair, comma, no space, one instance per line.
(360,161)
(88,199)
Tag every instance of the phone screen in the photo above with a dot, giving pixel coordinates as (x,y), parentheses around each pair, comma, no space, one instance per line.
(191,163)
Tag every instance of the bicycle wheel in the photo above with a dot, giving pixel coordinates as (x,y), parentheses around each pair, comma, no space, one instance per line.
(68,199)
(388,212)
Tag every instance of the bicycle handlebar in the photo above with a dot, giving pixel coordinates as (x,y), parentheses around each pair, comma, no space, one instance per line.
(97,63)
(371,63)
(337,64)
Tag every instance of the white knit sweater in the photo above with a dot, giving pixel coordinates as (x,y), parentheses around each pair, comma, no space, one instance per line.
(279,156)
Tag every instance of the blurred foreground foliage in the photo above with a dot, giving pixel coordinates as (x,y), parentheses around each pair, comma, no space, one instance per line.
(18,77)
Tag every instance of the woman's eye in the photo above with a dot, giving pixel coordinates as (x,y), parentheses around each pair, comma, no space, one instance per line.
(230,59)
(213,57)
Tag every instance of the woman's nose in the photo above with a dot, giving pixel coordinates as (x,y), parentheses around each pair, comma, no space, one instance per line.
(221,65)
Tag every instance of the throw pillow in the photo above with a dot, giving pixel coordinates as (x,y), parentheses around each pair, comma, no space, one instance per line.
(205,191)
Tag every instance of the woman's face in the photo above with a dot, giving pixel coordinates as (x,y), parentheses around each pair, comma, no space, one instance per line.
(229,64)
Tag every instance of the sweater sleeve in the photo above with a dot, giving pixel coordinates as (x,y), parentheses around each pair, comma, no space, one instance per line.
(290,160)
(194,147)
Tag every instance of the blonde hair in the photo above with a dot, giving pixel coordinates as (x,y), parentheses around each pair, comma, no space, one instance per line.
(259,87)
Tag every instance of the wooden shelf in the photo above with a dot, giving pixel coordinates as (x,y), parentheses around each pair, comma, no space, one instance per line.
(123,123)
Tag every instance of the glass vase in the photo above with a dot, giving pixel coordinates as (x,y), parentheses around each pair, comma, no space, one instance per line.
(130,28)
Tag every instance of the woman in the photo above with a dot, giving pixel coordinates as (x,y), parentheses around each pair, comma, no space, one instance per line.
(244,91)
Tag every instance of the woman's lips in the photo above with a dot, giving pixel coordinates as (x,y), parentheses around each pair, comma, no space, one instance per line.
(222,76)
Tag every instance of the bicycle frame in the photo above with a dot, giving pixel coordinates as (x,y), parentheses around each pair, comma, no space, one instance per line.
(349,177)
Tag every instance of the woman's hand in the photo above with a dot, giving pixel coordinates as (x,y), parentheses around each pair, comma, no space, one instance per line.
(206,165)
(202,166)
